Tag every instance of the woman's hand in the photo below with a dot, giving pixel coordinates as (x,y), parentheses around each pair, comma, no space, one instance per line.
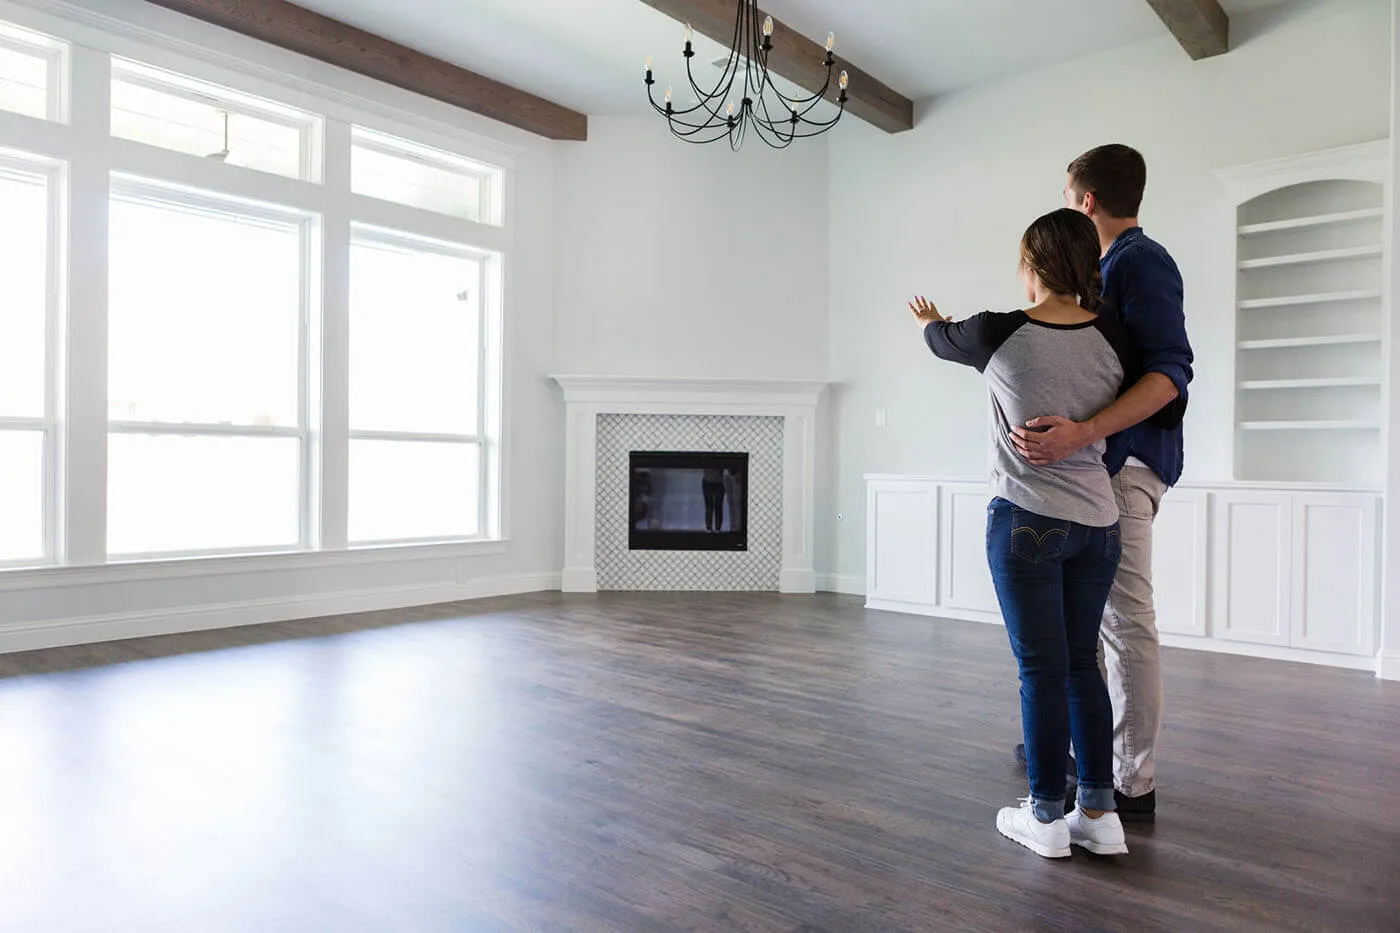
(925,312)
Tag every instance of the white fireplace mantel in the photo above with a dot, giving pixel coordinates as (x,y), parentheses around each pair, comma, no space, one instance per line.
(795,401)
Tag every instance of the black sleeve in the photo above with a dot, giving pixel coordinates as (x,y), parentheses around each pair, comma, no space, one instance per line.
(974,341)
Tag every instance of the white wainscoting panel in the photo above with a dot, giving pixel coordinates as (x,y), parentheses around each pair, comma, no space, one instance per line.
(1180,554)
(1253,575)
(968,579)
(903,543)
(1334,605)
(1289,573)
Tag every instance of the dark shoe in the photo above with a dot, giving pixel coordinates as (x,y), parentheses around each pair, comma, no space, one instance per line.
(1071,768)
(1137,809)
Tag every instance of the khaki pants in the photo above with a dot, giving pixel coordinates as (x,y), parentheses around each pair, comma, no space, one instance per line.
(1130,651)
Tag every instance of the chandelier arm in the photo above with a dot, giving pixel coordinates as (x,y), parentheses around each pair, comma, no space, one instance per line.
(703,98)
(773,135)
(673,114)
(820,128)
(798,103)
(689,138)
(696,127)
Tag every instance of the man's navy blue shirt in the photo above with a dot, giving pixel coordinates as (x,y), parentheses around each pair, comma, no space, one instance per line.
(1143,285)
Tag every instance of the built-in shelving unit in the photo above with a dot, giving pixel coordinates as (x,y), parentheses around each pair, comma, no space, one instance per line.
(1309,426)
(1310,241)
(1326,340)
(1293,301)
(1338,382)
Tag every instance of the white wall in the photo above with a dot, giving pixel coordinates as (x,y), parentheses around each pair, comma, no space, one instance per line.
(938,211)
(62,605)
(1389,665)
(684,260)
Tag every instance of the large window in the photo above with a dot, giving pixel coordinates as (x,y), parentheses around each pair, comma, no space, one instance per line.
(416,401)
(288,311)
(212,122)
(25,321)
(205,378)
(397,170)
(31,72)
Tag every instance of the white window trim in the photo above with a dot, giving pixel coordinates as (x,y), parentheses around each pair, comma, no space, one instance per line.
(54,55)
(488,522)
(83,145)
(148,191)
(307,125)
(53,173)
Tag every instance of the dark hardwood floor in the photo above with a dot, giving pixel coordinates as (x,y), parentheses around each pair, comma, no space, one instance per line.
(656,762)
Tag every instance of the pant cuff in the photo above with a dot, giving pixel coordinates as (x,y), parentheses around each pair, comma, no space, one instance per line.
(1048,811)
(1096,798)
(1137,788)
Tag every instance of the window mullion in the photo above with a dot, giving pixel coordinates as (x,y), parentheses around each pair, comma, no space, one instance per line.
(332,449)
(83,380)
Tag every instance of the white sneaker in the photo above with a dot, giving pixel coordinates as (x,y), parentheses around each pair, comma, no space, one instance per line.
(1020,825)
(1103,836)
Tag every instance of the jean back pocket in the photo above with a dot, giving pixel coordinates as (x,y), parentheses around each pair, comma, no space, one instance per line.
(1037,539)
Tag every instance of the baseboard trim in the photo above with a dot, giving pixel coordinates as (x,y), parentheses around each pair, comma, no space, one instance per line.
(797,581)
(579,580)
(1388,666)
(121,626)
(1269,652)
(947,613)
(847,584)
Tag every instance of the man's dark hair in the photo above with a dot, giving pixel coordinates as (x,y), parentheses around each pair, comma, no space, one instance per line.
(1115,175)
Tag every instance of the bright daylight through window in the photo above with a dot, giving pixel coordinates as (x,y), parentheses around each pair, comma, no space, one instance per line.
(232,302)
(25,428)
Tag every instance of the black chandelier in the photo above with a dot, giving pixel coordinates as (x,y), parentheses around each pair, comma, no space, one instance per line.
(777,118)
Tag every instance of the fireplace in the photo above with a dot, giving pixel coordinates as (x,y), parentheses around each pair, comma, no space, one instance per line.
(697,501)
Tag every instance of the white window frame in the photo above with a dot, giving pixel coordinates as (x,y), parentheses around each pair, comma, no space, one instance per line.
(149,191)
(54,173)
(76,140)
(54,53)
(198,91)
(487,178)
(482,440)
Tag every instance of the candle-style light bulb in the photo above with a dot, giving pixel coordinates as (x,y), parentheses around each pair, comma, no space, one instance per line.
(845,80)
(768,26)
(668,95)
(731,109)
(830,41)
(688,32)
(648,63)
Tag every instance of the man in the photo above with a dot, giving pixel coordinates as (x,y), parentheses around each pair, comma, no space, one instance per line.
(1143,286)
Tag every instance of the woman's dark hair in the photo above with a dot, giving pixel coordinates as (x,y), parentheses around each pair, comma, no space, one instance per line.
(1062,248)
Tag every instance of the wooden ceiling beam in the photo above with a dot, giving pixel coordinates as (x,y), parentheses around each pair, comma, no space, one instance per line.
(299,30)
(798,59)
(1201,26)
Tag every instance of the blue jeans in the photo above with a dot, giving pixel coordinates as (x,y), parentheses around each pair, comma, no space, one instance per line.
(1052,579)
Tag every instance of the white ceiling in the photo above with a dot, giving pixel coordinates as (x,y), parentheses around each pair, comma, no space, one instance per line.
(589,54)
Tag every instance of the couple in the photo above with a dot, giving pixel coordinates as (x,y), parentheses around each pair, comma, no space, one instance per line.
(1088,388)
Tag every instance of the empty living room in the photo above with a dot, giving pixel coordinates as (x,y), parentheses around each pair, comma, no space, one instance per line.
(700,465)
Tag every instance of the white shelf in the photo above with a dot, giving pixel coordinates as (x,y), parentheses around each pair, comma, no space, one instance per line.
(1310,426)
(1322,298)
(1321,220)
(1332,341)
(1343,382)
(1305,259)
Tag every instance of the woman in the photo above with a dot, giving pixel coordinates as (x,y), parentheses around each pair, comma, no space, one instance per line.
(1052,532)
